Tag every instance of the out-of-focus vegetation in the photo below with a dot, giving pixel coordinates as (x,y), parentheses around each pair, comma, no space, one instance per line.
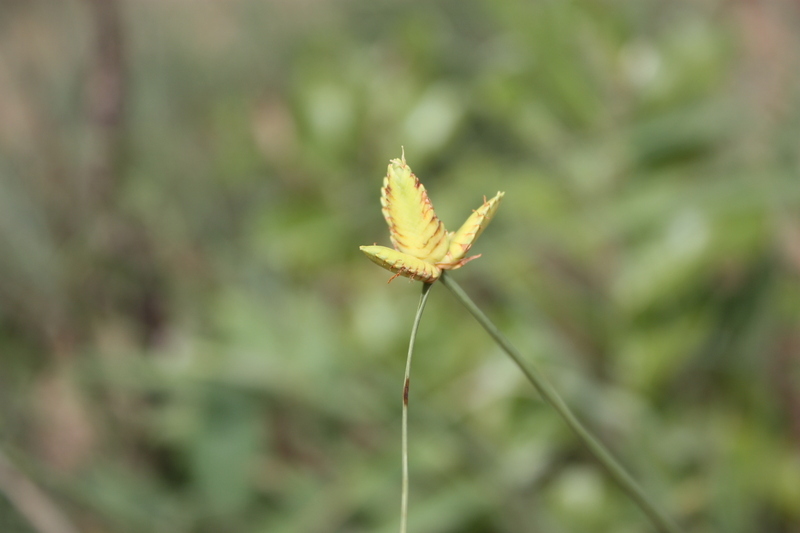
(190,340)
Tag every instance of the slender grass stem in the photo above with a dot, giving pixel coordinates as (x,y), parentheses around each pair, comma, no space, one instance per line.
(546,390)
(426,287)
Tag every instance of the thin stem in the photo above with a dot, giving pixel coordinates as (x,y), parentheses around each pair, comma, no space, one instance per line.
(546,390)
(426,287)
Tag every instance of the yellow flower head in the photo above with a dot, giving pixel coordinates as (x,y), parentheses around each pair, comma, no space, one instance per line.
(422,246)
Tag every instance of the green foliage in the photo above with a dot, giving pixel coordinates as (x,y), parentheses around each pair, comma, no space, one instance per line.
(190,340)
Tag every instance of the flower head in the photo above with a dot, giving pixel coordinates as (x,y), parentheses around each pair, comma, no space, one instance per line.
(422,246)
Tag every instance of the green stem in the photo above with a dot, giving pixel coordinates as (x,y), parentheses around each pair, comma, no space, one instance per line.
(426,287)
(546,390)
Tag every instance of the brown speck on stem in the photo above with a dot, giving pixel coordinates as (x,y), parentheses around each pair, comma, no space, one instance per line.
(405,391)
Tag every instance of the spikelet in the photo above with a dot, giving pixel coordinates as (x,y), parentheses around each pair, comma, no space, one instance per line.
(463,239)
(413,225)
(422,246)
(402,264)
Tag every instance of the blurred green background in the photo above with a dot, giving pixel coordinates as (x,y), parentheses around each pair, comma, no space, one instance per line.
(190,340)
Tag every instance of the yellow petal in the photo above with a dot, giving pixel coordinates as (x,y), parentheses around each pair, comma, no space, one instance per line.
(413,225)
(402,264)
(463,239)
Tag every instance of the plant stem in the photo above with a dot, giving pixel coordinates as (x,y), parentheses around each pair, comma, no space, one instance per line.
(426,287)
(546,390)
